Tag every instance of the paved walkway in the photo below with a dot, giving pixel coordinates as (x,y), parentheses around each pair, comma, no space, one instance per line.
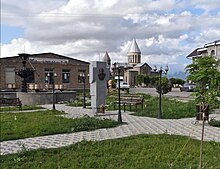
(135,125)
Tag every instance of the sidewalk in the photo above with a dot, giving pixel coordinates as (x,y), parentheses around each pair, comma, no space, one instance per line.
(135,125)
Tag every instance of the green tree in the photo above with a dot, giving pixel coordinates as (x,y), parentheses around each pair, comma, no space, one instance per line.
(140,79)
(165,87)
(203,71)
(153,80)
(176,81)
(146,80)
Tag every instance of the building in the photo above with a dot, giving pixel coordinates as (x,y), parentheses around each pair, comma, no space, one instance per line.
(44,66)
(209,49)
(133,67)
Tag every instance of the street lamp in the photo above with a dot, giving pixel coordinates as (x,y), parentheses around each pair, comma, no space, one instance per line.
(24,73)
(117,65)
(83,77)
(160,71)
(53,86)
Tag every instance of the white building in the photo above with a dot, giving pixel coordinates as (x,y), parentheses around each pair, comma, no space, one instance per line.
(209,49)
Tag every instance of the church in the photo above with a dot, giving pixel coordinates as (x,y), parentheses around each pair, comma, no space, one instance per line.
(133,67)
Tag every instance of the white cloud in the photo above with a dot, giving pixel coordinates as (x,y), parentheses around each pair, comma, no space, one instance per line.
(206,5)
(166,30)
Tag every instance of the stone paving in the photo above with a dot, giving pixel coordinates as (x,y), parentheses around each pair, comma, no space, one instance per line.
(135,125)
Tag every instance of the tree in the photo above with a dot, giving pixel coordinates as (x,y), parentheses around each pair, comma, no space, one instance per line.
(140,79)
(146,80)
(204,72)
(154,80)
(176,81)
(165,86)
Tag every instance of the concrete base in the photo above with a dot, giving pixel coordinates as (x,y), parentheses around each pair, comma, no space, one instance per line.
(40,98)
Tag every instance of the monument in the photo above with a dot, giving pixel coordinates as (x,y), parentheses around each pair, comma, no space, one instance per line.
(99,75)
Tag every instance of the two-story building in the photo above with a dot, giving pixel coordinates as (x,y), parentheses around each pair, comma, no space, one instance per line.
(209,49)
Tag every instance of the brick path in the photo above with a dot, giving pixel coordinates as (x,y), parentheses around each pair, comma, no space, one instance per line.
(135,125)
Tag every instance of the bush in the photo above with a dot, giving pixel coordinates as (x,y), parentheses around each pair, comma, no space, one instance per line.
(214,123)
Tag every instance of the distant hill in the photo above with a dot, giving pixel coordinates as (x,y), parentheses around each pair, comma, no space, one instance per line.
(180,75)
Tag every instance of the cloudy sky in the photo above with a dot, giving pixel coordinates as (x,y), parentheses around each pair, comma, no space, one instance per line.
(165,30)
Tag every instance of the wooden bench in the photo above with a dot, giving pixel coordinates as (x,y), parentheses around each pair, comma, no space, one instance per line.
(11,102)
(131,100)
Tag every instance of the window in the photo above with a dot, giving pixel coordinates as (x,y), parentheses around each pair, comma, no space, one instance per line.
(65,75)
(129,59)
(212,53)
(10,75)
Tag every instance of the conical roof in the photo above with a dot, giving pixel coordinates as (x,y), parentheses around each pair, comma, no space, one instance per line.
(134,47)
(106,57)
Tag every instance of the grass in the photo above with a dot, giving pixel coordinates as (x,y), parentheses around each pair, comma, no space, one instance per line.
(16,108)
(171,109)
(78,103)
(32,124)
(143,151)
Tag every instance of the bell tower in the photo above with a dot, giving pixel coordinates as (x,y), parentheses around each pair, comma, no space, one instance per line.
(107,59)
(134,54)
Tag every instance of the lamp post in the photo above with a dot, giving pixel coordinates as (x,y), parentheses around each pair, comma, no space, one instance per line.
(119,94)
(24,73)
(53,87)
(83,76)
(160,71)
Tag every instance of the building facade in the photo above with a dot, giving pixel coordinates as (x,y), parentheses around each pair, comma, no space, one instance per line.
(209,49)
(44,65)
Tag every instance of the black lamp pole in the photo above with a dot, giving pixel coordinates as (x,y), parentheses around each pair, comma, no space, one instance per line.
(160,71)
(84,90)
(54,75)
(160,96)
(119,95)
(83,78)
(52,78)
(54,108)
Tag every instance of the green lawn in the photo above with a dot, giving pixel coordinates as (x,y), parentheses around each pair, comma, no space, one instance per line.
(171,109)
(135,152)
(31,124)
(16,108)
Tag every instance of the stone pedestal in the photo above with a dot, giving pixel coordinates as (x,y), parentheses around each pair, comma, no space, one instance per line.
(99,75)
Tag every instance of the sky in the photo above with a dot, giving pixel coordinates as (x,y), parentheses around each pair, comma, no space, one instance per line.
(165,30)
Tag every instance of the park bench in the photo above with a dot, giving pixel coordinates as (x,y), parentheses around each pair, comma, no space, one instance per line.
(131,100)
(11,102)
